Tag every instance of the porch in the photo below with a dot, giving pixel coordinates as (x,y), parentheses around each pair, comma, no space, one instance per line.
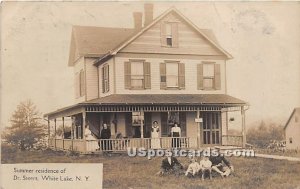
(121,145)
(203,120)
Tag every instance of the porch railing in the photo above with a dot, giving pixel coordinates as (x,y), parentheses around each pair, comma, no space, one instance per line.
(81,145)
(232,140)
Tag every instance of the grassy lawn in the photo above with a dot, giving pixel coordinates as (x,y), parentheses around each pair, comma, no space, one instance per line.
(121,171)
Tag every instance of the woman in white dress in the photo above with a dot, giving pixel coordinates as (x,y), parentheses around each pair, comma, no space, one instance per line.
(155,141)
(92,144)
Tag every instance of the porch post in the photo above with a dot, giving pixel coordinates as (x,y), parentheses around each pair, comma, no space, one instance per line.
(49,138)
(198,129)
(142,124)
(243,126)
(55,133)
(83,124)
(72,131)
(72,127)
(63,127)
(83,130)
(63,134)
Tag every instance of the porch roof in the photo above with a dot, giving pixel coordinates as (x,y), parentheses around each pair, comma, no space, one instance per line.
(151,102)
(168,99)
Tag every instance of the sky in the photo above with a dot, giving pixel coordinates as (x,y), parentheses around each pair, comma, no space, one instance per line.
(263,37)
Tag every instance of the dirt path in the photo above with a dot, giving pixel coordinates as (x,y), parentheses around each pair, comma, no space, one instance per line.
(277,157)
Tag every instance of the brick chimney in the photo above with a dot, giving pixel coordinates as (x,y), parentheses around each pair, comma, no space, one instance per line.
(138,20)
(148,7)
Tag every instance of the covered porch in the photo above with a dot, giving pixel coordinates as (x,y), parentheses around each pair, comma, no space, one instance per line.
(203,121)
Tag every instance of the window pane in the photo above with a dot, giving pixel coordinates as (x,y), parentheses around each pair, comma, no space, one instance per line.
(169,29)
(208,82)
(172,81)
(137,68)
(208,70)
(172,69)
(169,41)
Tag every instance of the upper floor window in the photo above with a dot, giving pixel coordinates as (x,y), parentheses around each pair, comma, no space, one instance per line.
(172,75)
(80,84)
(169,34)
(105,78)
(137,75)
(208,76)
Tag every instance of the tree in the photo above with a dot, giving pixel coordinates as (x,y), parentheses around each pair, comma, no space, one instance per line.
(26,130)
(263,134)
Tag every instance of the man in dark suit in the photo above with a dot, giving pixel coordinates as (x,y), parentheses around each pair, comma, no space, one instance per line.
(220,164)
(170,165)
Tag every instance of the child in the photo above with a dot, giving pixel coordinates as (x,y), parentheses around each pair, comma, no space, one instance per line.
(193,168)
(205,166)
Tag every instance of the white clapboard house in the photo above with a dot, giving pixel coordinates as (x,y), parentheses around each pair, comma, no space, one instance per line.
(164,69)
(292,130)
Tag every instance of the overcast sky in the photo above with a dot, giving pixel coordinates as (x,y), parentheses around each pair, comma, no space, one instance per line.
(263,37)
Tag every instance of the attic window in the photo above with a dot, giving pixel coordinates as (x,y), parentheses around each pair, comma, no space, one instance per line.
(169,34)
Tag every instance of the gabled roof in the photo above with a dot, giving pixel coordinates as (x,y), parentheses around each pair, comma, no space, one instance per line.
(207,34)
(106,42)
(95,41)
(296,110)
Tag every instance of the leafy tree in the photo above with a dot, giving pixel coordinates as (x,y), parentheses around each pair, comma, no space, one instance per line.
(26,130)
(263,134)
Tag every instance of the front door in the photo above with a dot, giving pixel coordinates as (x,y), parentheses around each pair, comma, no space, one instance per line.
(211,130)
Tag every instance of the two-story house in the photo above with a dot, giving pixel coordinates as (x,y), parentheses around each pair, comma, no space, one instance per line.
(165,70)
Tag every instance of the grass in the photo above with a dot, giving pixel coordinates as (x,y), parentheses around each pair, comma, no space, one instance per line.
(121,171)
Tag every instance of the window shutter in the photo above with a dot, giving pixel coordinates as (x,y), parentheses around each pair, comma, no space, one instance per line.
(163,79)
(127,74)
(77,92)
(217,77)
(107,76)
(82,83)
(147,75)
(181,73)
(163,34)
(200,76)
(174,34)
(103,79)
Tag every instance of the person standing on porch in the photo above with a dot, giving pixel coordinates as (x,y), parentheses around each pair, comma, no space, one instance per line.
(175,132)
(155,141)
(105,134)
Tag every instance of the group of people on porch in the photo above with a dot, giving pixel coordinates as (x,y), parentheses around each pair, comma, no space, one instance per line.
(155,135)
(207,166)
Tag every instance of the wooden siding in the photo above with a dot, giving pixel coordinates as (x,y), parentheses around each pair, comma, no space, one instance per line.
(190,75)
(91,79)
(293,131)
(224,123)
(111,78)
(189,41)
(79,65)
